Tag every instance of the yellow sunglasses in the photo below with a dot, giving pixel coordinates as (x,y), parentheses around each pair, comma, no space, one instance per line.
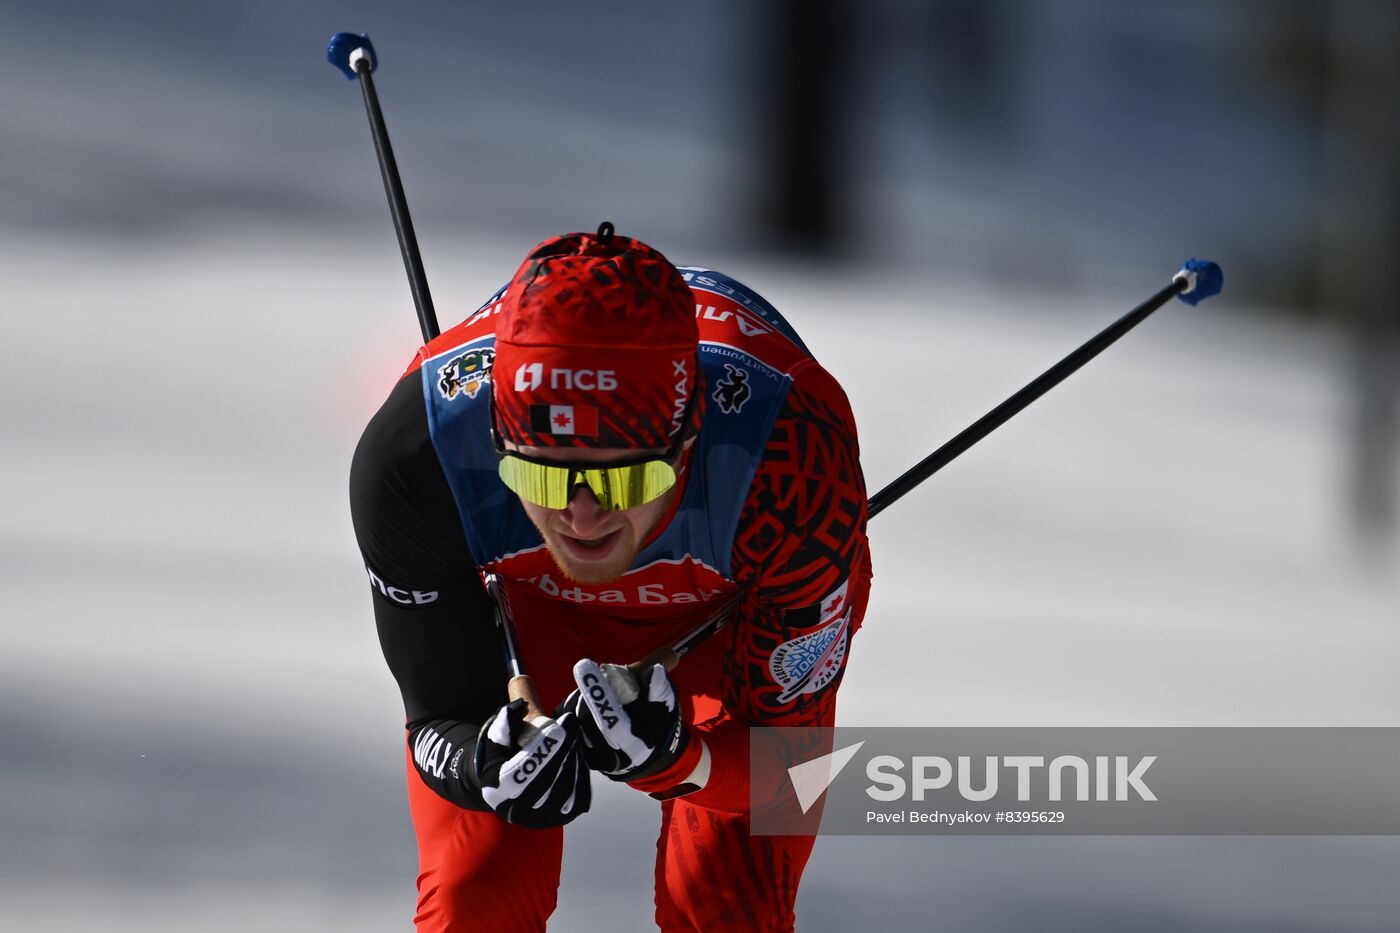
(615,486)
(622,485)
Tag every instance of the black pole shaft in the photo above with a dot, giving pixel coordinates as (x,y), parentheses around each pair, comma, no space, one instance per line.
(1032,391)
(398,207)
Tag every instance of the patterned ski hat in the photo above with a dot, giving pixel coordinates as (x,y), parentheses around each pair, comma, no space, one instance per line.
(596,346)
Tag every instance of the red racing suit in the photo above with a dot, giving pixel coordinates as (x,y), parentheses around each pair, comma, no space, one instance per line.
(771,512)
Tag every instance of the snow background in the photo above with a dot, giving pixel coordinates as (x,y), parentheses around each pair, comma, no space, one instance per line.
(203,303)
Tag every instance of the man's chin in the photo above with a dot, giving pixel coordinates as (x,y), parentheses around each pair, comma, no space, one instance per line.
(598,570)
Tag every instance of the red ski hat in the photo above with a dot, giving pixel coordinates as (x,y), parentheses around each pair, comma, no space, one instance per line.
(595,347)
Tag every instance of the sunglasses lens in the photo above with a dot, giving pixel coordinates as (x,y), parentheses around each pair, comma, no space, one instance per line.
(534,482)
(630,486)
(622,487)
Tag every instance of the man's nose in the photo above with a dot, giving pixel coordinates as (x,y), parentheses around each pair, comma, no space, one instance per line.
(584,514)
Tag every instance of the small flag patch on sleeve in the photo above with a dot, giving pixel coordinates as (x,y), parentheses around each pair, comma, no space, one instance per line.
(564,419)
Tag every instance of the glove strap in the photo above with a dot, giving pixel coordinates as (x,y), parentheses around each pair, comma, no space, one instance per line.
(689,773)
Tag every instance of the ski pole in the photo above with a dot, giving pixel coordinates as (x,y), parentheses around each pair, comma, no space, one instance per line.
(1197,280)
(354,55)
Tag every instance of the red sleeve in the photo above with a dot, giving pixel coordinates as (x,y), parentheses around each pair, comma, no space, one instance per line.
(801,553)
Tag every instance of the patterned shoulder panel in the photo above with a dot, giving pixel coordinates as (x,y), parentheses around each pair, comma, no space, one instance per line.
(805,514)
(802,552)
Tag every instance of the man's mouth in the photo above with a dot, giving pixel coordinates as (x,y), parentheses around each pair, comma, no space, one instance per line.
(592,548)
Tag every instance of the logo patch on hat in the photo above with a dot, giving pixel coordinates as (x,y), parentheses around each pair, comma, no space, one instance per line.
(581,420)
(466,373)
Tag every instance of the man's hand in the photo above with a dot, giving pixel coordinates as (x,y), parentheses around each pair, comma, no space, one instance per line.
(630,723)
(532,773)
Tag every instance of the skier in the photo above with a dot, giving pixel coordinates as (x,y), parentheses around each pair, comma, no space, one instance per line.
(624,447)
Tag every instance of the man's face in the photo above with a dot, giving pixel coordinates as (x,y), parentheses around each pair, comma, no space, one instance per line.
(589,543)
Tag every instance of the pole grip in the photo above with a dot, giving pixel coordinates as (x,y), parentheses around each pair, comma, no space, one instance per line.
(521,687)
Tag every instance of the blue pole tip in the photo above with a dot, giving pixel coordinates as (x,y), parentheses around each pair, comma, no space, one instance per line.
(342,50)
(1203,278)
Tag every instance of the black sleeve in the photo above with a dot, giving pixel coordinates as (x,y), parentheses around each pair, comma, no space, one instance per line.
(432,611)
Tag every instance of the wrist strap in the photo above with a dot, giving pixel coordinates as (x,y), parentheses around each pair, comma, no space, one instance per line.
(687,774)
